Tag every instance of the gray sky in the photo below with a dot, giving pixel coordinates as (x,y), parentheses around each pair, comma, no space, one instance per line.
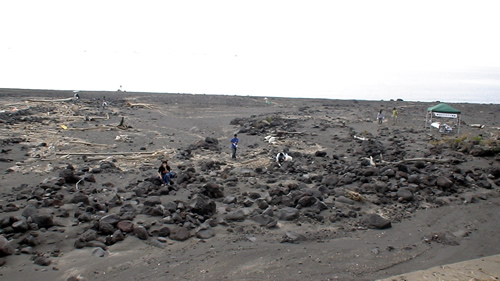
(275,48)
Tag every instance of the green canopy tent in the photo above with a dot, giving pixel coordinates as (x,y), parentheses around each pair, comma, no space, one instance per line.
(442,110)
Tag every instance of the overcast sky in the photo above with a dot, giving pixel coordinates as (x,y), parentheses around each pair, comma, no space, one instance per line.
(265,48)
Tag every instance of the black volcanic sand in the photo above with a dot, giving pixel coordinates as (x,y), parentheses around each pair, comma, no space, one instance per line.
(80,199)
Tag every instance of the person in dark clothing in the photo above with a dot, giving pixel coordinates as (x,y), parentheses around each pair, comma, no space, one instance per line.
(164,172)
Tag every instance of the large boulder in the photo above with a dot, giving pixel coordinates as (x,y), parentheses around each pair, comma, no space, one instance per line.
(29,210)
(126,226)
(444,182)
(80,198)
(330,180)
(106,228)
(376,221)
(107,165)
(288,214)
(21,225)
(237,215)
(141,232)
(42,219)
(152,201)
(202,205)
(180,233)
(164,231)
(213,190)
(307,201)
(157,210)
(88,235)
(405,194)
(264,220)
(292,237)
(205,233)
(112,219)
(69,176)
(5,248)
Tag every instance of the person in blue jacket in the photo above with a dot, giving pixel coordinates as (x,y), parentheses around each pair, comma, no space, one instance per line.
(234,145)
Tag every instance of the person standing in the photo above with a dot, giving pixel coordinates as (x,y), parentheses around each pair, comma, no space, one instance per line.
(380,117)
(394,116)
(234,145)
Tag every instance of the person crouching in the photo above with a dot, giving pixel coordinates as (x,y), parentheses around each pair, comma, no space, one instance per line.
(282,157)
(164,172)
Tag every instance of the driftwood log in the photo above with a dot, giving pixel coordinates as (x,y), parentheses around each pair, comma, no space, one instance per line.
(281,133)
(93,128)
(122,124)
(119,157)
(57,100)
(129,104)
(86,117)
(249,161)
(90,144)
(432,160)
(92,118)
(103,153)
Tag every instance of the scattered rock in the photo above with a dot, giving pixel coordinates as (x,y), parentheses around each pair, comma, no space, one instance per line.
(179,233)
(444,182)
(141,232)
(205,233)
(43,261)
(292,237)
(99,252)
(288,214)
(5,248)
(376,221)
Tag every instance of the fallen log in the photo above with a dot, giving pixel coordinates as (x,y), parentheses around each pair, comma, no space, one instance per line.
(432,160)
(90,144)
(85,118)
(354,195)
(57,100)
(76,186)
(92,128)
(119,157)
(122,124)
(289,133)
(249,161)
(13,104)
(92,118)
(103,153)
(480,126)
(129,104)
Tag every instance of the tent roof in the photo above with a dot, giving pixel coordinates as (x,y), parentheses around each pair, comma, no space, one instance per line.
(444,108)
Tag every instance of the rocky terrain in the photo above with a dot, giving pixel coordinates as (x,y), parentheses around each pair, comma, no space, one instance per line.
(80,198)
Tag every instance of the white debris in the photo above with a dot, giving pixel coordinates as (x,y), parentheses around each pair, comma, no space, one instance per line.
(123,138)
(477,126)
(271,139)
(361,138)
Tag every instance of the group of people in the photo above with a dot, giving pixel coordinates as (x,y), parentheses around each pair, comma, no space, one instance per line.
(104,102)
(280,157)
(165,173)
(380,116)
